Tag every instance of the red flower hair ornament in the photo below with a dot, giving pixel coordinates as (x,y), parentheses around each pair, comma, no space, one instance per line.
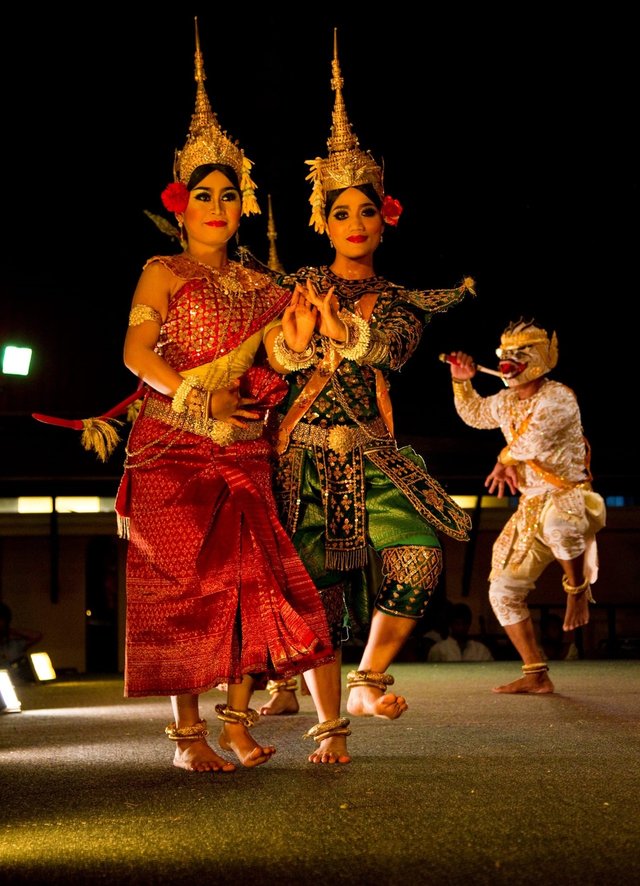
(175,197)
(391,210)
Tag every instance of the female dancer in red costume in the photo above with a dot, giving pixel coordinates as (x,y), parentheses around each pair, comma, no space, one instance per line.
(215,590)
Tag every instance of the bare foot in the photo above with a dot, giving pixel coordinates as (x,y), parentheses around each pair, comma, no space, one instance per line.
(197,756)
(235,737)
(369,701)
(532,684)
(577,612)
(332,750)
(283,702)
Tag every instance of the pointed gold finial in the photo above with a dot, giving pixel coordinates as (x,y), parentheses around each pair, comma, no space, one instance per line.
(347,165)
(274,261)
(208,143)
(342,137)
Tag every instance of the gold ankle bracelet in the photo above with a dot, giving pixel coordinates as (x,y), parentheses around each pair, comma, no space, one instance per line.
(369,678)
(187,733)
(320,731)
(274,686)
(538,667)
(228,715)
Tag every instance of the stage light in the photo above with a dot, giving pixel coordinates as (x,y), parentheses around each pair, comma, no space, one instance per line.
(42,668)
(16,360)
(9,701)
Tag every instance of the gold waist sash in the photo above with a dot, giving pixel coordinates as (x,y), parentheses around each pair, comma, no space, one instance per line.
(219,431)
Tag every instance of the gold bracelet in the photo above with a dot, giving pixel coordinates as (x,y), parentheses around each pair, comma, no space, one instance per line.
(378,350)
(505,459)
(462,388)
(179,401)
(358,336)
(293,360)
(578,589)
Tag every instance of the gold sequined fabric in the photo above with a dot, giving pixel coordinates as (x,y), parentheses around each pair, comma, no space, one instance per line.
(214,310)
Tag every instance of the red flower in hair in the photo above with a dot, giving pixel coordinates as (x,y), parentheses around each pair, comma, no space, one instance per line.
(391,210)
(175,197)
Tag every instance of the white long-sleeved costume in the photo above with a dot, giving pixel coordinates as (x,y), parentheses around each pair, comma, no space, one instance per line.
(558,513)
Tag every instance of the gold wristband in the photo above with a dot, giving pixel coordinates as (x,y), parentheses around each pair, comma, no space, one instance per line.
(292,361)
(358,338)
(179,401)
(505,459)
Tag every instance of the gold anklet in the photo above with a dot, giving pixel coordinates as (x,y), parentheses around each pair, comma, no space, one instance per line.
(187,733)
(369,678)
(274,686)
(578,589)
(228,715)
(320,731)
(538,667)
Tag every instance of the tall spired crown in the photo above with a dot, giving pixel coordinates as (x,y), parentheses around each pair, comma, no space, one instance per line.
(208,143)
(347,165)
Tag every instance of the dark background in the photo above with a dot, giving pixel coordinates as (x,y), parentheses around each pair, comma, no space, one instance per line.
(508,138)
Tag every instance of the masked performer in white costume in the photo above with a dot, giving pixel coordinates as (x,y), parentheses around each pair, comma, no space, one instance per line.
(546,461)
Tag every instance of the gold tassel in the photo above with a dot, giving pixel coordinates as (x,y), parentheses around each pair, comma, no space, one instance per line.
(317,197)
(470,285)
(247,186)
(123,526)
(133,410)
(100,436)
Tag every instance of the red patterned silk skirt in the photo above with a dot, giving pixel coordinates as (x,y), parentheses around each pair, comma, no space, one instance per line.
(215,588)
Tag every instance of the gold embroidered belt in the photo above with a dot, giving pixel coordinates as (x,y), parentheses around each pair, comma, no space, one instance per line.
(219,431)
(342,438)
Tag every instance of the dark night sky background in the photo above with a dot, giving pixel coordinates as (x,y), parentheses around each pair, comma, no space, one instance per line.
(509,139)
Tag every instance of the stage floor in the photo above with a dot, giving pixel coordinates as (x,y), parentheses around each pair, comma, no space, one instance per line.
(467,787)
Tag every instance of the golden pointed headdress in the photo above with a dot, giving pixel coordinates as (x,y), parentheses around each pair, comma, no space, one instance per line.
(347,165)
(207,143)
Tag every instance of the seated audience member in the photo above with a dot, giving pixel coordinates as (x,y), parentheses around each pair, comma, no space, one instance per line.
(457,646)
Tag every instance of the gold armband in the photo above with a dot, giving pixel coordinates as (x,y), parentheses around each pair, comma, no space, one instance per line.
(139,313)
(505,459)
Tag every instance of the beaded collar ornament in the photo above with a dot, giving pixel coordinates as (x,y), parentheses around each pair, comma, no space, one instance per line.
(207,143)
(347,166)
